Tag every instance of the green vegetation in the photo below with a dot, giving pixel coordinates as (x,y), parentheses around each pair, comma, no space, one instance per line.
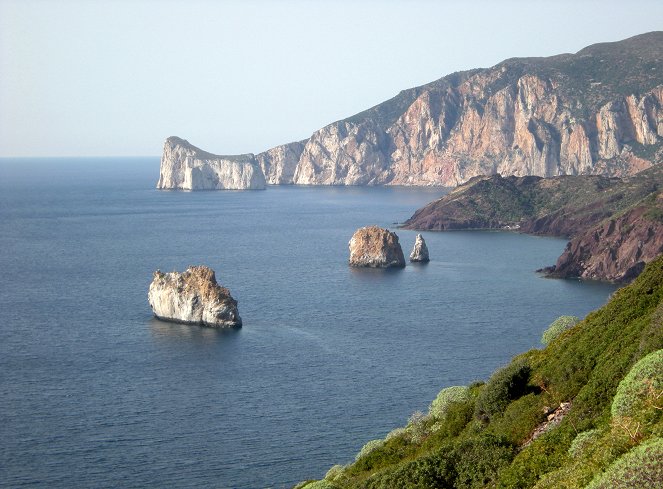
(608,366)
(557,327)
(445,400)
(641,467)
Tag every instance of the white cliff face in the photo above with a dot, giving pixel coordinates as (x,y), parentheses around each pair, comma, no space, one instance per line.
(193,297)
(344,153)
(279,163)
(420,250)
(183,166)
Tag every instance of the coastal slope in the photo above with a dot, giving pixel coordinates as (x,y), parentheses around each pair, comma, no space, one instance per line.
(585,411)
(616,224)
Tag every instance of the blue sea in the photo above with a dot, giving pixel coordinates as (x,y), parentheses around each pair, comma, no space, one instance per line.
(95,392)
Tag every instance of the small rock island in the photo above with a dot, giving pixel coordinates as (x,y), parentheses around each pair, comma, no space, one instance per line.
(193,297)
(420,251)
(375,247)
(183,166)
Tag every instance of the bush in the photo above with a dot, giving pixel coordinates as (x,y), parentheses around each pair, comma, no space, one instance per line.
(557,327)
(395,433)
(434,470)
(456,394)
(323,484)
(368,448)
(505,385)
(417,427)
(477,461)
(642,387)
(581,442)
(334,472)
(640,467)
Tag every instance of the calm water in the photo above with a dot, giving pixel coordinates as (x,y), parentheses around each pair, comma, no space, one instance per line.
(97,393)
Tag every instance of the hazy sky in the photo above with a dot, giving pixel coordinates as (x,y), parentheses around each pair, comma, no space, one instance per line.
(117,77)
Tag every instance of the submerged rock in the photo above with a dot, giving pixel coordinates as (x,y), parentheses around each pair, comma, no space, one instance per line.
(375,247)
(420,250)
(183,166)
(193,297)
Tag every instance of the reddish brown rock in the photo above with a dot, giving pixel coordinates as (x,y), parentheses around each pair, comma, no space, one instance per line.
(616,250)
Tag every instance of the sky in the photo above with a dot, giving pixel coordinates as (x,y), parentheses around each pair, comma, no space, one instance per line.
(117,77)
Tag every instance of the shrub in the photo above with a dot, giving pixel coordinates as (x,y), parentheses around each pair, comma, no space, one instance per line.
(368,448)
(323,484)
(434,470)
(417,427)
(456,394)
(640,467)
(581,442)
(395,433)
(642,387)
(505,385)
(557,327)
(334,472)
(477,461)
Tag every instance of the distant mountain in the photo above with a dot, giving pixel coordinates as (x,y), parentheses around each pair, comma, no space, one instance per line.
(616,224)
(598,111)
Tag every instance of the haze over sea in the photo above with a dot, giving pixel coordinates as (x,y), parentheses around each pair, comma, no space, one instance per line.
(97,393)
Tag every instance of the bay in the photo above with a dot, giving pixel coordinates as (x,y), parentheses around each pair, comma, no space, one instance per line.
(98,393)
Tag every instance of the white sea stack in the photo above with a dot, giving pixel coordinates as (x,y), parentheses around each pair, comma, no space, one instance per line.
(420,250)
(193,297)
(183,166)
(375,247)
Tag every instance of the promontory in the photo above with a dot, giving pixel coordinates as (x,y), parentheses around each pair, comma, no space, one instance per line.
(183,166)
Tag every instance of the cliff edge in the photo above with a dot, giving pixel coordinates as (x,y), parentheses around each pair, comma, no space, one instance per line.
(186,167)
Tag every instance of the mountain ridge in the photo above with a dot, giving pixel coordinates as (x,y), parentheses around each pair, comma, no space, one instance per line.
(598,111)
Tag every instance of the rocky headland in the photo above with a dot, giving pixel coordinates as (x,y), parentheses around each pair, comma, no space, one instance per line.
(183,166)
(598,111)
(375,247)
(616,224)
(419,253)
(193,297)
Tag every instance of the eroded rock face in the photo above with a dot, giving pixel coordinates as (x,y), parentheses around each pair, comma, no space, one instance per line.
(183,166)
(616,250)
(420,251)
(279,163)
(375,247)
(193,297)
(524,116)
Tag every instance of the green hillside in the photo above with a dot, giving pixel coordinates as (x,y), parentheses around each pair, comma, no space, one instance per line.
(585,411)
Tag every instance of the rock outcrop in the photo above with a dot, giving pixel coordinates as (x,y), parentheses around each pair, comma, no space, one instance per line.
(420,251)
(375,247)
(617,249)
(599,111)
(183,166)
(193,297)
(616,224)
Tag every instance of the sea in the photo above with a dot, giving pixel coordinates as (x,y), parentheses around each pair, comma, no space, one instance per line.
(95,392)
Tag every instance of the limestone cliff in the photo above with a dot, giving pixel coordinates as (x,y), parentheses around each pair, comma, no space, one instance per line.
(193,297)
(183,166)
(598,111)
(279,163)
(375,247)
